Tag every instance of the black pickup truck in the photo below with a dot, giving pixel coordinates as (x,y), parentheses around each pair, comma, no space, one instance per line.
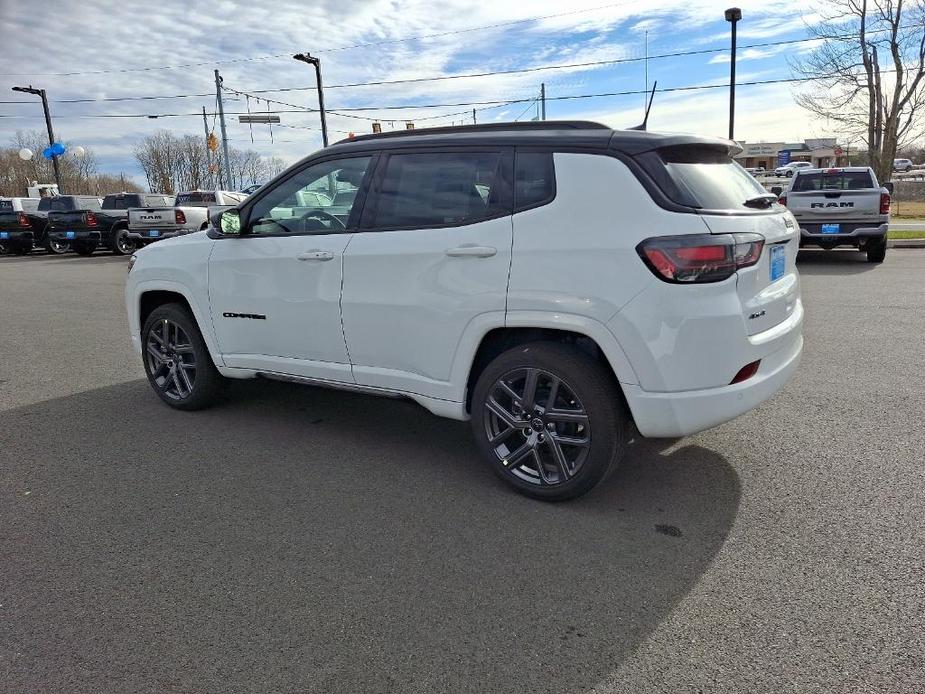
(105,225)
(24,222)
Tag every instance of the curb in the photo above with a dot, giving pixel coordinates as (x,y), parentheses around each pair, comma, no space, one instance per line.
(906,243)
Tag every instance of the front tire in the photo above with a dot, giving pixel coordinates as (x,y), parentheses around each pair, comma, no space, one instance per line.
(56,247)
(176,360)
(549,420)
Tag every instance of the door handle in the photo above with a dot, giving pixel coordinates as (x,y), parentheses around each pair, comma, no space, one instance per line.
(472,252)
(315,255)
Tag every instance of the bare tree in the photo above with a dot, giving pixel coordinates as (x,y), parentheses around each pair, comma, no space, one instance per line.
(78,174)
(172,164)
(867,73)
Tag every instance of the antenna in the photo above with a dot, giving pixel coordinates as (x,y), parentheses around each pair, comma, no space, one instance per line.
(645,119)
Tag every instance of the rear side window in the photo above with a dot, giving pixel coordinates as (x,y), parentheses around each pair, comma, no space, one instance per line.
(6,205)
(836,180)
(440,189)
(534,180)
(708,178)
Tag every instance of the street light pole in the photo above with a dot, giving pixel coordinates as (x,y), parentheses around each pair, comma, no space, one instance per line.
(51,133)
(733,15)
(308,58)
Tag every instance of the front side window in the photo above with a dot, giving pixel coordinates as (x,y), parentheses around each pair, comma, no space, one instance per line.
(439,189)
(319,199)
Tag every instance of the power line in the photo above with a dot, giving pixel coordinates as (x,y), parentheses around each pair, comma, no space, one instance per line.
(493,103)
(323,50)
(440,78)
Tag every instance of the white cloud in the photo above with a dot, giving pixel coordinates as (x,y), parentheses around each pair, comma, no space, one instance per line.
(103,34)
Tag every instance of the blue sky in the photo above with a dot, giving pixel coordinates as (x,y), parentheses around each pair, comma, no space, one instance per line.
(251,45)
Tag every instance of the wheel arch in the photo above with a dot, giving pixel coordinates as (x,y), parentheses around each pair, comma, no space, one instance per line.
(154,295)
(584,334)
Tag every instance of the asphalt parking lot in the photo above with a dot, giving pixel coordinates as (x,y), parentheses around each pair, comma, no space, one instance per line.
(302,540)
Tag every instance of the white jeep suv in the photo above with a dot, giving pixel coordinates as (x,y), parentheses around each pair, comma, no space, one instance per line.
(558,283)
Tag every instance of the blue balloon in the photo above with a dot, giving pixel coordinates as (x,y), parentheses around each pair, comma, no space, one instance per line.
(58,149)
(47,153)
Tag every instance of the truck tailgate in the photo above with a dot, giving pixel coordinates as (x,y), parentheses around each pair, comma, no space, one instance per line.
(835,205)
(152,217)
(68,221)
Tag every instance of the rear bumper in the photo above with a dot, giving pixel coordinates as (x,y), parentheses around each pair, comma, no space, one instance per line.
(16,237)
(687,412)
(78,236)
(853,238)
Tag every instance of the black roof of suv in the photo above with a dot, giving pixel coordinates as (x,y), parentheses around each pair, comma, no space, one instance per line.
(566,134)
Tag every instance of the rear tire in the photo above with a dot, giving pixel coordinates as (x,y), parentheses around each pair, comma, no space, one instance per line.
(567,440)
(84,249)
(121,243)
(876,253)
(22,248)
(176,360)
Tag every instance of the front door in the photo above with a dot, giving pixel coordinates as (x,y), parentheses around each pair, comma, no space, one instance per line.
(275,289)
(433,253)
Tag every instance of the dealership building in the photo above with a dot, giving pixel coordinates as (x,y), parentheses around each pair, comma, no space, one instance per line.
(821,153)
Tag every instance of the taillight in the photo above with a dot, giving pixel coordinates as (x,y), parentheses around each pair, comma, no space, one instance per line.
(23,220)
(884,203)
(91,219)
(746,372)
(700,257)
(782,200)
(179,217)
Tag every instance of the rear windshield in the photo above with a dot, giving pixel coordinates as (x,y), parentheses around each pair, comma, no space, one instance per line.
(837,180)
(6,205)
(59,204)
(708,178)
(196,199)
(121,202)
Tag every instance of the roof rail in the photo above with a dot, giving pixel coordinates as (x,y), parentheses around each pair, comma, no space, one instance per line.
(483,128)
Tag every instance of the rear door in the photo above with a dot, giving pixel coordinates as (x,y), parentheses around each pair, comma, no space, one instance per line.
(433,253)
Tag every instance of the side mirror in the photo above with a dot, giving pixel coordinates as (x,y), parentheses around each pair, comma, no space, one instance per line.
(230,223)
(777,190)
(889,187)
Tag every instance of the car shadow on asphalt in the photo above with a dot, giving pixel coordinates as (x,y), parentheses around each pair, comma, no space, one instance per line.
(300,539)
(838,261)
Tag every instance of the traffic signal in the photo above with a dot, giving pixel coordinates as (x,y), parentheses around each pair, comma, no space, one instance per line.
(212,142)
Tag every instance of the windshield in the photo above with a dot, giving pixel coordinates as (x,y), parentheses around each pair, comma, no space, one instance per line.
(6,205)
(837,180)
(709,178)
(196,199)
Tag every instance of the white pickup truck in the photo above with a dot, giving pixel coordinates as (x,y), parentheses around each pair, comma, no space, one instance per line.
(840,207)
(190,213)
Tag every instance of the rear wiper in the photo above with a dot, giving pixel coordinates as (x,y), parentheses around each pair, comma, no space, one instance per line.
(761,201)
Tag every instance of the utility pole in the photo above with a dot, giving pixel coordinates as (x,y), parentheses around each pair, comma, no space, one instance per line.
(205,125)
(645,97)
(542,101)
(473,117)
(733,15)
(51,134)
(308,58)
(221,117)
